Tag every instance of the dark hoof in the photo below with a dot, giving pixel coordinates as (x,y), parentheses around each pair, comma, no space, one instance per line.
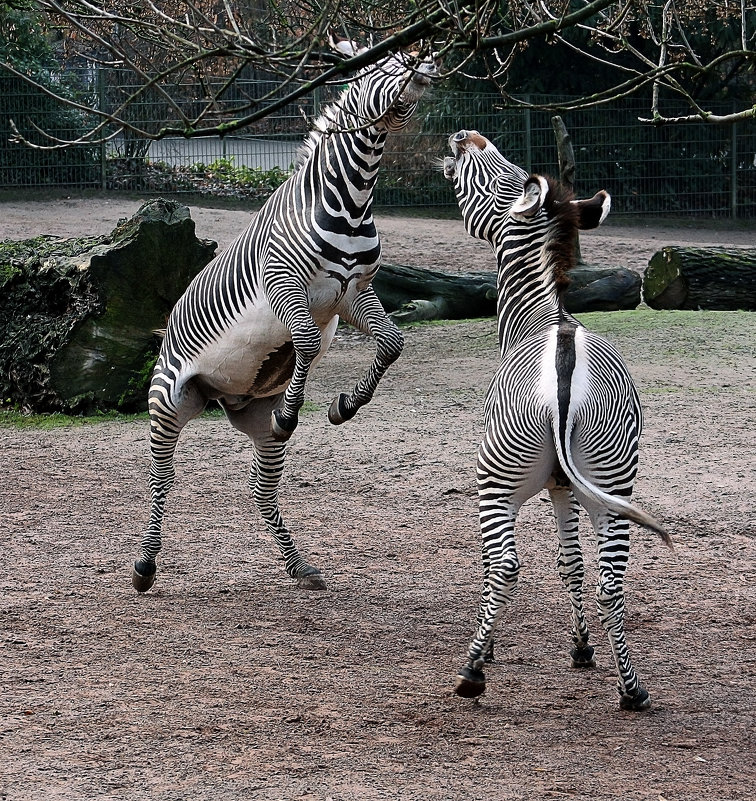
(143,575)
(636,703)
(311,579)
(338,412)
(470,683)
(280,427)
(583,657)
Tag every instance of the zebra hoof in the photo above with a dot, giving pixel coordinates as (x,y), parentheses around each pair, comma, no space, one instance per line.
(311,579)
(280,427)
(583,657)
(339,412)
(470,683)
(143,575)
(638,702)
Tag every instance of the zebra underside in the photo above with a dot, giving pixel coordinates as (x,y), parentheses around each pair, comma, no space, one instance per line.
(571,426)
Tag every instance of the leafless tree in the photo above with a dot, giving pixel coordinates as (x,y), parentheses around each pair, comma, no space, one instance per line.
(305,44)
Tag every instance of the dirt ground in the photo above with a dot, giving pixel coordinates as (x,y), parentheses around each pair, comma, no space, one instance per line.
(225,682)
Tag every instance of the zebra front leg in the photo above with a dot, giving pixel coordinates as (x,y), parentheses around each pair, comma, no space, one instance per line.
(613,552)
(367,314)
(497,520)
(572,571)
(290,306)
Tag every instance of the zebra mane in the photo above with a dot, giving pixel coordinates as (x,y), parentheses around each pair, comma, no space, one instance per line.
(320,126)
(564,219)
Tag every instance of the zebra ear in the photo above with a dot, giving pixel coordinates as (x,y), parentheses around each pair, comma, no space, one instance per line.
(593,212)
(532,199)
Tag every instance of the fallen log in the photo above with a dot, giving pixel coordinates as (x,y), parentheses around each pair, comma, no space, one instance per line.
(77,316)
(701,278)
(411,294)
(414,293)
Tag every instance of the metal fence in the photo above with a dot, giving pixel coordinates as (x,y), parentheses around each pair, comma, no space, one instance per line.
(696,169)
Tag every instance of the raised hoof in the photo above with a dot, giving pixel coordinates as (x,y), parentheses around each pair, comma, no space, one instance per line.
(143,579)
(338,412)
(470,683)
(311,580)
(636,703)
(280,428)
(583,657)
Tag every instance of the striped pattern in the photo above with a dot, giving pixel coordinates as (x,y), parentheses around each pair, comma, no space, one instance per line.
(252,323)
(561,413)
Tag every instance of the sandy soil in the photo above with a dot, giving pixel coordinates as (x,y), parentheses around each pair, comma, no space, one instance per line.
(226,682)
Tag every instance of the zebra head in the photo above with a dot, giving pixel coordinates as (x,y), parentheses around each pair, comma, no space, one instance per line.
(494,194)
(386,95)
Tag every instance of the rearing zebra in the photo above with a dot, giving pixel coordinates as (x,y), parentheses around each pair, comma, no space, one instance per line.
(561,413)
(253,322)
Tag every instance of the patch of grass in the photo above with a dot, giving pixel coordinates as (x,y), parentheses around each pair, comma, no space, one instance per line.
(686,336)
(15,418)
(645,319)
(431,323)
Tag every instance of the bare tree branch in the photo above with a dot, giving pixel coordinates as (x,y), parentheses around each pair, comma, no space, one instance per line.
(160,45)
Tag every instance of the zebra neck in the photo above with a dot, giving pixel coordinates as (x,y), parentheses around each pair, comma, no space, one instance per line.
(348,161)
(527,300)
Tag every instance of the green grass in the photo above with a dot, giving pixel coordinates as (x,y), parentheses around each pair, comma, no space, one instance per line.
(645,319)
(15,418)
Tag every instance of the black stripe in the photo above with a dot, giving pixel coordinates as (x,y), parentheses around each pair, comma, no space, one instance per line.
(565,366)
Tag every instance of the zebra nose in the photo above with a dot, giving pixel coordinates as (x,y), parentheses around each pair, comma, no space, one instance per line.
(460,136)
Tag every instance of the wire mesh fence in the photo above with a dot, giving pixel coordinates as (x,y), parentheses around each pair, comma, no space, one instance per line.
(696,169)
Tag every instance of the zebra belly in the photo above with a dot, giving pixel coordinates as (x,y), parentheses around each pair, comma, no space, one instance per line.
(254,358)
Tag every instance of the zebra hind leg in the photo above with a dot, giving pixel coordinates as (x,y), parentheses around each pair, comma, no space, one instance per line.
(613,548)
(367,315)
(572,572)
(167,419)
(264,479)
(497,527)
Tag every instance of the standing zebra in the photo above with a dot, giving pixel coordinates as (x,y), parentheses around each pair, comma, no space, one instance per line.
(253,322)
(561,413)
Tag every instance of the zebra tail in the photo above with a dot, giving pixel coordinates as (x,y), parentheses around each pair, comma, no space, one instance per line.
(614,503)
(565,364)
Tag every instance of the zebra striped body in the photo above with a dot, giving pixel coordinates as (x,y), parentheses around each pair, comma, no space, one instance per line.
(253,322)
(561,413)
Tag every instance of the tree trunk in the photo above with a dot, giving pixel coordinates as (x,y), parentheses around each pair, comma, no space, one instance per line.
(77,316)
(701,278)
(412,293)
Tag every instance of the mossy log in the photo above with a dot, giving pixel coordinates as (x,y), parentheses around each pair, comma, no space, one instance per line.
(701,278)
(412,293)
(77,316)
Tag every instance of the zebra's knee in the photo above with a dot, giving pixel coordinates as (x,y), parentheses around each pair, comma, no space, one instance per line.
(503,574)
(307,341)
(609,596)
